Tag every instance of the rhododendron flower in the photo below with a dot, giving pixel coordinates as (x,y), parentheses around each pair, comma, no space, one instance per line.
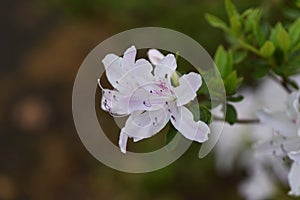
(286,143)
(144,91)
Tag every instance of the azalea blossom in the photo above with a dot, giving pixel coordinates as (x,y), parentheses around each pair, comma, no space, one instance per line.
(286,142)
(144,92)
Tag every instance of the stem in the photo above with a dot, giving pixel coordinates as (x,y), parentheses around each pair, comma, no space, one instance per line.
(283,82)
(239,121)
(249,47)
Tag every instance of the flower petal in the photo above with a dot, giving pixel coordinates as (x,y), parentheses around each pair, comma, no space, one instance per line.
(114,71)
(123,142)
(145,124)
(129,58)
(183,121)
(142,72)
(295,156)
(259,185)
(279,146)
(124,74)
(114,102)
(165,67)
(139,75)
(279,121)
(293,105)
(143,98)
(188,86)
(294,180)
(155,56)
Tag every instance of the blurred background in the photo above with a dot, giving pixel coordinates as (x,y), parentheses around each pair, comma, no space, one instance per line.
(43,43)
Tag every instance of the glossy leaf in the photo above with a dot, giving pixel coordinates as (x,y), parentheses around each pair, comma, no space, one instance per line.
(223,60)
(231,114)
(232,82)
(238,56)
(267,49)
(216,22)
(294,32)
(283,39)
(235,98)
(230,9)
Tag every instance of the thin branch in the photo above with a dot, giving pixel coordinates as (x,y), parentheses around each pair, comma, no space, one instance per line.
(282,82)
(239,121)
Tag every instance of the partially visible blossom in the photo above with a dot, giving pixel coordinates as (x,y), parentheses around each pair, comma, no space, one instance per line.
(233,150)
(259,185)
(147,95)
(286,142)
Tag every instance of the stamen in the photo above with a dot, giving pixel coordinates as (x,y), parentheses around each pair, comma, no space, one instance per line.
(99,84)
(147,104)
(173,118)
(115,98)
(283,149)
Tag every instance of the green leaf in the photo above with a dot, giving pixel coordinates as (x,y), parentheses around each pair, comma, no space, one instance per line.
(205,115)
(260,71)
(294,32)
(274,33)
(232,82)
(235,98)
(230,9)
(235,25)
(229,64)
(216,22)
(223,60)
(267,49)
(260,37)
(283,39)
(239,56)
(231,114)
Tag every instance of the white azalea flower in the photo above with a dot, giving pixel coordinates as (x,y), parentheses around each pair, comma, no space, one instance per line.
(260,185)
(286,143)
(233,150)
(149,98)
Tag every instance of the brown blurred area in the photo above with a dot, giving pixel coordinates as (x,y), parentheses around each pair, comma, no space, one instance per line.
(41,155)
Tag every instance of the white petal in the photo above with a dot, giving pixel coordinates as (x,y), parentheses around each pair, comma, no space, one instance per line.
(295,156)
(294,179)
(278,146)
(125,74)
(258,186)
(183,121)
(293,105)
(123,142)
(188,86)
(155,56)
(165,67)
(142,72)
(145,124)
(144,98)
(279,121)
(113,67)
(129,58)
(114,102)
